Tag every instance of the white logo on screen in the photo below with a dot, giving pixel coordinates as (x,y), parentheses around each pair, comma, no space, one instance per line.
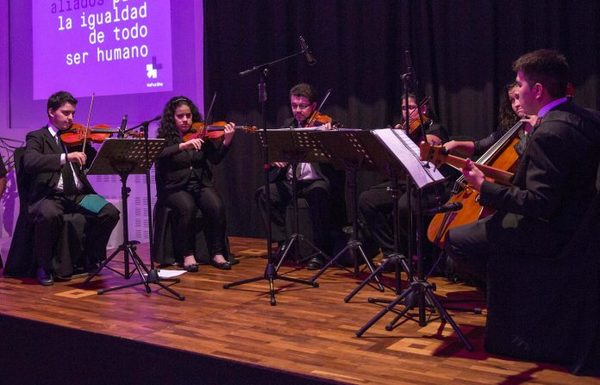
(151,72)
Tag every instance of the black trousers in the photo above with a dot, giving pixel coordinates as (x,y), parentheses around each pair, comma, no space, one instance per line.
(186,203)
(317,194)
(47,218)
(376,205)
(498,236)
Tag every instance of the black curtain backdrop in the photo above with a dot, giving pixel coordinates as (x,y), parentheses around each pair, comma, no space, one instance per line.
(461,52)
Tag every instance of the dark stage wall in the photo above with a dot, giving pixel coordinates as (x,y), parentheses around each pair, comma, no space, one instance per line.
(461,51)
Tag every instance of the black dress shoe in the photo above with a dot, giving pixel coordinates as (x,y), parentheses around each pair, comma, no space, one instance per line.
(193,268)
(62,278)
(221,265)
(315,263)
(43,277)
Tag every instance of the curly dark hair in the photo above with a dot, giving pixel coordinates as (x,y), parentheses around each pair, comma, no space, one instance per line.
(167,129)
(506,116)
(57,99)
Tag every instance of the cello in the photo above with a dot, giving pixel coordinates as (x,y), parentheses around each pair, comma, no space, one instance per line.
(496,163)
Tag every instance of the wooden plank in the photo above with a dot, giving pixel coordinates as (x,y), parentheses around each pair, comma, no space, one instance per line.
(310,331)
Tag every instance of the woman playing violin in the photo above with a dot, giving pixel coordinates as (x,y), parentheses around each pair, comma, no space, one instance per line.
(184,182)
(511,112)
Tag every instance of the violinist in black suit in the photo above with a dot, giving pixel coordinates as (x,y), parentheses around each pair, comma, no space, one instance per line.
(58,185)
(315,182)
(184,181)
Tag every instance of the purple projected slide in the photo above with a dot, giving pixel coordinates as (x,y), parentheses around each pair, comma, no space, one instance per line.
(106,47)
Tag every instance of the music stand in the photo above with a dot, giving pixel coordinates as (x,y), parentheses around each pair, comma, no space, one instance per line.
(352,149)
(125,157)
(295,145)
(421,174)
(288,145)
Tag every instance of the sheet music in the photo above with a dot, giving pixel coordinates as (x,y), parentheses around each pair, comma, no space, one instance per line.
(407,152)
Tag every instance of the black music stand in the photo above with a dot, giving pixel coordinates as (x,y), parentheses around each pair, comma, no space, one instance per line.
(124,157)
(421,174)
(352,149)
(292,146)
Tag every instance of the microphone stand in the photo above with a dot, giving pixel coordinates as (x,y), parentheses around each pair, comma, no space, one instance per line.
(270,273)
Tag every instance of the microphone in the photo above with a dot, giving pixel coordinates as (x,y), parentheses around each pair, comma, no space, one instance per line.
(445,208)
(309,56)
(408,61)
(123,126)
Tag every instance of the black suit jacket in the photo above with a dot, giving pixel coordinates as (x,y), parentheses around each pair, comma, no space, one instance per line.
(42,165)
(553,186)
(175,167)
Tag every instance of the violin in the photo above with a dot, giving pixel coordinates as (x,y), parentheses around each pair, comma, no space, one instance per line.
(214,131)
(318,119)
(414,122)
(77,134)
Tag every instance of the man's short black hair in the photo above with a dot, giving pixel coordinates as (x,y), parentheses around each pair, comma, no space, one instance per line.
(547,67)
(59,98)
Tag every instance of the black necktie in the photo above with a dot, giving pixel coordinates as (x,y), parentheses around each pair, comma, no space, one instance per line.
(69,187)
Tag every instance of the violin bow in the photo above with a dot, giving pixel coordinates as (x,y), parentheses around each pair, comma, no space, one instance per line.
(212,103)
(87,126)
(317,111)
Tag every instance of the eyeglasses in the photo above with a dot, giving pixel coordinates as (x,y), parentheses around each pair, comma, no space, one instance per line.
(300,106)
(410,106)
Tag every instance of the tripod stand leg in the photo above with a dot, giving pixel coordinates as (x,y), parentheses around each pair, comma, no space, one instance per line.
(271,273)
(297,280)
(381,313)
(143,281)
(365,282)
(288,247)
(447,318)
(150,277)
(104,263)
(243,282)
(352,245)
(153,277)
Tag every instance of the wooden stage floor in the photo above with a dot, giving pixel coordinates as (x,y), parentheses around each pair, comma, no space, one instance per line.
(311,331)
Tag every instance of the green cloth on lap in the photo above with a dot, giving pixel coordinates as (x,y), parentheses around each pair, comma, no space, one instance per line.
(93,203)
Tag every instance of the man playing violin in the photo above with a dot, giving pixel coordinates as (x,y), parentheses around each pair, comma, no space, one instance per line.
(58,185)
(376,204)
(315,181)
(554,183)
